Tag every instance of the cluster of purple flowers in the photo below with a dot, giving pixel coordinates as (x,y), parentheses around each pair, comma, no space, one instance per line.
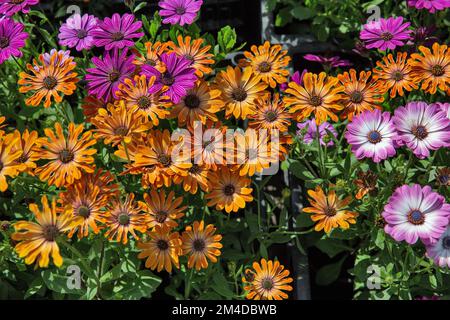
(419,126)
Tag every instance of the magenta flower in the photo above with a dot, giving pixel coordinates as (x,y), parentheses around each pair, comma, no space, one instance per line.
(179,11)
(328,62)
(430,5)
(117,32)
(296,77)
(444,107)
(386,33)
(10,7)
(12,38)
(440,251)
(372,135)
(179,77)
(413,212)
(109,72)
(308,132)
(422,128)
(76,32)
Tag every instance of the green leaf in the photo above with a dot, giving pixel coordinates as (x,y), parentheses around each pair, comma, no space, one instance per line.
(332,247)
(35,287)
(284,17)
(300,171)
(221,286)
(57,281)
(302,13)
(330,273)
(226,39)
(271,4)
(139,285)
(263,250)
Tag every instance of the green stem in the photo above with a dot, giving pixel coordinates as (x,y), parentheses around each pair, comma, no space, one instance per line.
(86,266)
(100,267)
(126,151)
(187,286)
(19,64)
(410,161)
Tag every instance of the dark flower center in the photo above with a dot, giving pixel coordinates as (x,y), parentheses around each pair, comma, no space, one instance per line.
(420,132)
(22,159)
(17,1)
(50,232)
(195,169)
(249,276)
(189,57)
(315,100)
(416,217)
(374,137)
(267,284)
(161,216)
(164,160)
(144,102)
(167,79)
(66,156)
(265,67)
(81,33)
(192,101)
(446,243)
(4,42)
(50,82)
(443,178)
(84,211)
(123,219)
(150,62)
(121,131)
(386,36)
(437,70)
(1,166)
(198,245)
(271,116)
(397,76)
(356,97)
(330,212)
(229,190)
(162,245)
(180,10)
(113,76)
(117,36)
(239,94)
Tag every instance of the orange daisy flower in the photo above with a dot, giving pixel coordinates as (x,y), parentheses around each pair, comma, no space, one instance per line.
(140,97)
(200,104)
(8,159)
(319,95)
(329,211)
(270,114)
(162,250)
(28,143)
(395,75)
(196,176)
(91,105)
(267,281)
(123,217)
(116,125)
(162,210)
(151,56)
(48,80)
(239,91)
(366,184)
(37,240)
(201,244)
(193,51)
(359,94)
(431,68)
(228,190)
(269,62)
(69,157)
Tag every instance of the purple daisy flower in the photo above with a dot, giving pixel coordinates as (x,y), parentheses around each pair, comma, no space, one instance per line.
(10,7)
(117,32)
(430,5)
(372,135)
(422,128)
(440,251)
(76,32)
(112,70)
(179,11)
(179,77)
(386,33)
(308,131)
(413,212)
(12,38)
(328,62)
(296,77)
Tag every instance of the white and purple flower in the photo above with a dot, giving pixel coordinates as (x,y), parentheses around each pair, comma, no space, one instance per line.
(372,135)
(440,251)
(422,127)
(76,32)
(415,212)
(309,130)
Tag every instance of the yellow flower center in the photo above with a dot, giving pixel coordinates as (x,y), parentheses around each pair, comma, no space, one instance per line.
(239,94)
(50,82)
